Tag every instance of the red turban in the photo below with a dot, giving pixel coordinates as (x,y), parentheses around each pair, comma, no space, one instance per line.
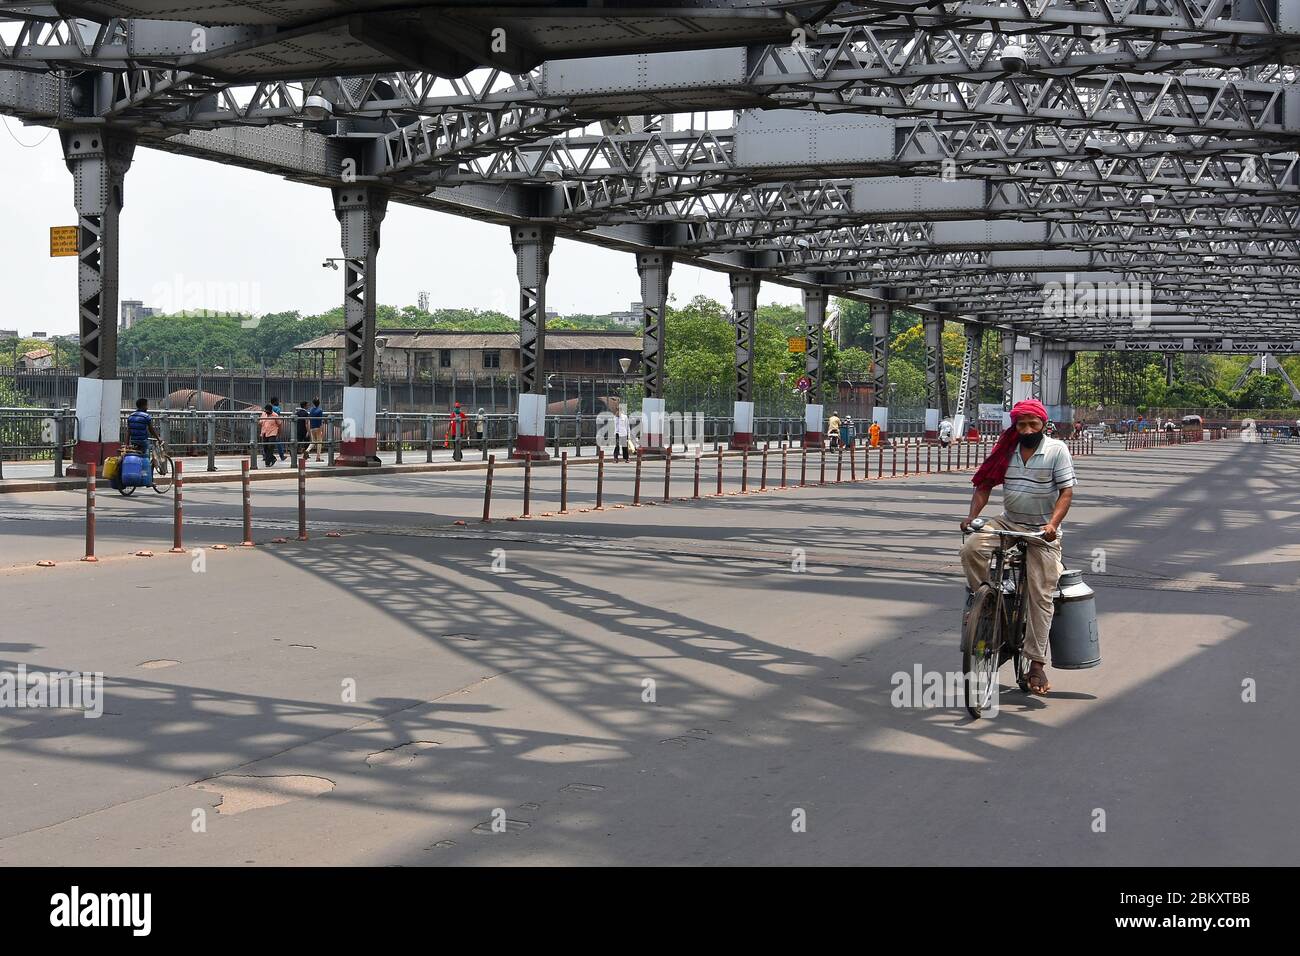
(994,469)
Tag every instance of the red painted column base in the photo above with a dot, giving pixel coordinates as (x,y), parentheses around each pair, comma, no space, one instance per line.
(812,439)
(90,452)
(530,446)
(742,440)
(358,453)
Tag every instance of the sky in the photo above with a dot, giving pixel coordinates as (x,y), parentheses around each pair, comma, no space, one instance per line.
(197,234)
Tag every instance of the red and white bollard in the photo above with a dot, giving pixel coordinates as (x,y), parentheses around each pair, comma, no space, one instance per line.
(178,546)
(248,505)
(302,498)
(90,512)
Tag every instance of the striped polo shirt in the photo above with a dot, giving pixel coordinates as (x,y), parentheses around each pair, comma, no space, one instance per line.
(1032,487)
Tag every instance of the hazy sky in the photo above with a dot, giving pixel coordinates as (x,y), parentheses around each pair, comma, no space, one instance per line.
(195,233)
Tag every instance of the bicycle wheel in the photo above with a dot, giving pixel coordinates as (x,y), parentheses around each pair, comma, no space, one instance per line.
(981,646)
(163,474)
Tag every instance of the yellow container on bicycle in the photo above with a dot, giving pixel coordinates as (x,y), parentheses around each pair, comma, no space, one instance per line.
(112,467)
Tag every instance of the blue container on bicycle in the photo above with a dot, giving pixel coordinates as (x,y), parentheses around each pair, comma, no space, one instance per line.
(137,471)
(1073,637)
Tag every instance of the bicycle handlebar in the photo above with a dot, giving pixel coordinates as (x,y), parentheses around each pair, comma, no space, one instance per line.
(978,525)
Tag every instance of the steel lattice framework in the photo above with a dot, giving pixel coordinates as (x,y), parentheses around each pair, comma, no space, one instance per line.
(968,159)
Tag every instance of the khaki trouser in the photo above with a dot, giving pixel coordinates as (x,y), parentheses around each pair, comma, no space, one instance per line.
(1043,571)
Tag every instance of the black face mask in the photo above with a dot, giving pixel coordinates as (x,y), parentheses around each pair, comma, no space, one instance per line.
(1032,440)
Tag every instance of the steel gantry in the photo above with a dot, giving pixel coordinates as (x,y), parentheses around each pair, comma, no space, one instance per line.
(1073,174)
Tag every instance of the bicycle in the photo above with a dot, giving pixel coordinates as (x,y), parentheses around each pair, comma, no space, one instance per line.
(164,471)
(994,629)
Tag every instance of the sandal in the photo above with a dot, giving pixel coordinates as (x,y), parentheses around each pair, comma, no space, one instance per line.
(1038,683)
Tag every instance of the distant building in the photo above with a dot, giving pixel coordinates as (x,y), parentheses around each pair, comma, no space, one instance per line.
(8,333)
(422,301)
(427,352)
(38,335)
(632,317)
(36,359)
(132,311)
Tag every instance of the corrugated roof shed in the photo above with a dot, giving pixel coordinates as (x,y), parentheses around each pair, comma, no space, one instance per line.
(418,339)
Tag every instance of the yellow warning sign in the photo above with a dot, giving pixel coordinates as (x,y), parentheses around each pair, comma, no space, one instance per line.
(1026,376)
(63,241)
(797,343)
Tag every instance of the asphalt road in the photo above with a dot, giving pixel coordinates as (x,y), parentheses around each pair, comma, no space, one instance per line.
(647,685)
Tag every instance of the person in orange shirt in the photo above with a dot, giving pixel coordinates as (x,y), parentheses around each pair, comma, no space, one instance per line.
(268,430)
(874,432)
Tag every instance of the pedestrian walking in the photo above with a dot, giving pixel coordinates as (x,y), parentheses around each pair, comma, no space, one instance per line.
(301,419)
(268,430)
(316,416)
(622,434)
(279,445)
(874,432)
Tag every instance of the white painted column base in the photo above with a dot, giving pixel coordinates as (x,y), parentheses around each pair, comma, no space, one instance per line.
(880,415)
(931,423)
(531,440)
(743,428)
(813,417)
(99,423)
(653,420)
(359,444)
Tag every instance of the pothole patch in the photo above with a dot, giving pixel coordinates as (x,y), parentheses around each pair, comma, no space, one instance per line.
(160,663)
(240,793)
(403,755)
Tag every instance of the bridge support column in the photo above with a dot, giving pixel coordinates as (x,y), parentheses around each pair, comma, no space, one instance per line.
(98,160)
(744,301)
(654,269)
(814,313)
(1008,356)
(880,313)
(934,372)
(1054,363)
(360,211)
(532,245)
(1025,362)
(969,390)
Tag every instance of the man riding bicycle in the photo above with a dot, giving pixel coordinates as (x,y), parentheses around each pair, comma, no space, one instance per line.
(140,427)
(1039,476)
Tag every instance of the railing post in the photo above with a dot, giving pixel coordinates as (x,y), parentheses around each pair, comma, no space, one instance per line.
(428,439)
(58,445)
(803,466)
(212,441)
(893,460)
(253,451)
(397,424)
(600,478)
(668,472)
(487,489)
(784,449)
(719,457)
(744,470)
(822,479)
(839,465)
(762,484)
(698,453)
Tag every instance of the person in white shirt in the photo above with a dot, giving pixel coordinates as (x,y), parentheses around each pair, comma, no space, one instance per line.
(622,432)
